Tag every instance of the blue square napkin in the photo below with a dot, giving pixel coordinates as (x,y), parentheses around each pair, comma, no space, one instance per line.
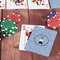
(41,41)
(55,3)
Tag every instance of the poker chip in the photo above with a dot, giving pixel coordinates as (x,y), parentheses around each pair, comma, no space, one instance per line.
(2,34)
(9,27)
(51,14)
(0,24)
(13,16)
(54,22)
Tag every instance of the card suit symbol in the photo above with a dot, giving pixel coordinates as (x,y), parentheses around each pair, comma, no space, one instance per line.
(0,2)
(22,4)
(0,6)
(43,4)
(25,4)
(47,5)
(3,6)
(23,27)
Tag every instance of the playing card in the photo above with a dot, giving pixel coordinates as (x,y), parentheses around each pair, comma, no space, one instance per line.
(2,4)
(38,4)
(26,31)
(16,4)
(41,41)
(55,3)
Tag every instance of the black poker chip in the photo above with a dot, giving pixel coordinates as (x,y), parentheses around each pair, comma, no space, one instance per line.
(2,34)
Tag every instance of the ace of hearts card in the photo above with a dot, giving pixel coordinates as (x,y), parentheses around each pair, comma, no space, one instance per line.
(16,4)
(38,4)
(2,4)
(26,31)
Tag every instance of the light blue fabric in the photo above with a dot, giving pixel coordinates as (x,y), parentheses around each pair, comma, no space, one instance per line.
(55,3)
(33,44)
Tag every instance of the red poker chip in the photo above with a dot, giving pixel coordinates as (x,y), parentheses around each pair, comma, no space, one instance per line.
(54,22)
(4,18)
(15,17)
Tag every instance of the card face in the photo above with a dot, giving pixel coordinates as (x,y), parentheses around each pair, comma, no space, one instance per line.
(26,31)
(16,4)
(38,4)
(2,4)
(55,3)
(41,41)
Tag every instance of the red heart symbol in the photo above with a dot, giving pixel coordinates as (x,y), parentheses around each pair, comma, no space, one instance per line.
(54,22)
(43,4)
(22,4)
(25,4)
(0,6)
(0,2)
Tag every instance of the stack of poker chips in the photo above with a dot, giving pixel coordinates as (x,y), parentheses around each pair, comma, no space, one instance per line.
(8,26)
(2,33)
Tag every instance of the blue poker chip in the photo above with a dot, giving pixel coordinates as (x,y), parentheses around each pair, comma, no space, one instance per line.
(51,14)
